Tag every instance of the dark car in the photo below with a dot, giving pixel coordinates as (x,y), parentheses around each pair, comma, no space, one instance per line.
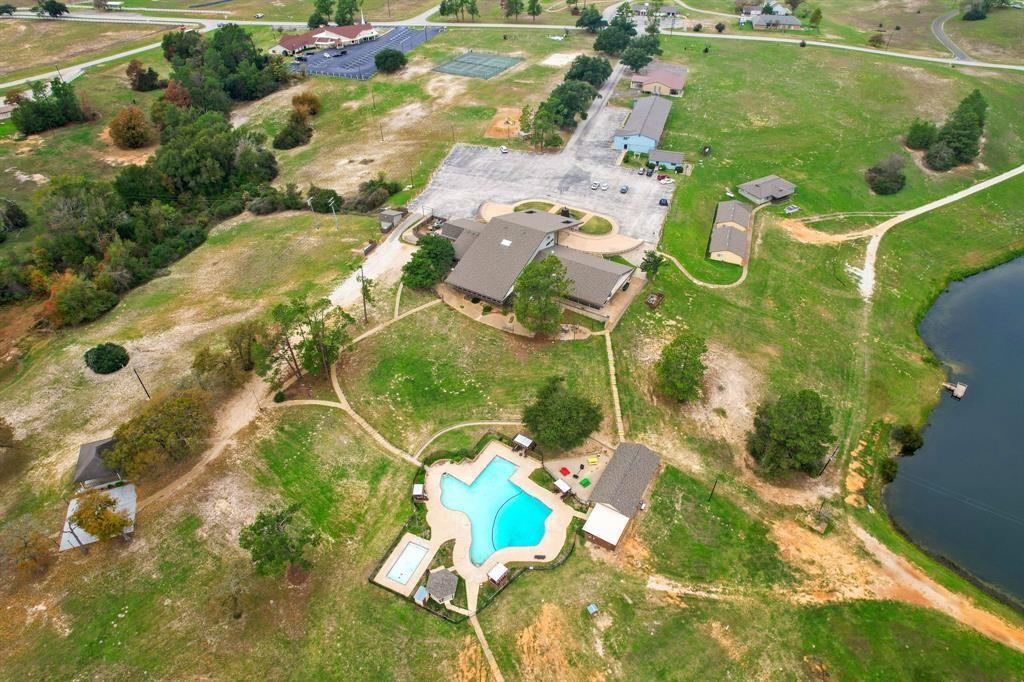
(300,58)
(341,53)
(650,172)
(663,202)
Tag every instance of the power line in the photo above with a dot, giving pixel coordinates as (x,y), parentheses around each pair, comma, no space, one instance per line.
(962,499)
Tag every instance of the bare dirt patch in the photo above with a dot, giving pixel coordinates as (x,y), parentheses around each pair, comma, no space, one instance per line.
(732,389)
(559,59)
(505,123)
(543,648)
(471,665)
(116,156)
(277,101)
(720,633)
(15,322)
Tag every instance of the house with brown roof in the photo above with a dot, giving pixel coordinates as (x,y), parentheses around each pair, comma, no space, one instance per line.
(491,257)
(643,129)
(660,79)
(324,37)
(768,188)
(619,493)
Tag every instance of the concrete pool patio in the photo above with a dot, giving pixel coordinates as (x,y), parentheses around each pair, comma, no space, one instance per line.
(447,524)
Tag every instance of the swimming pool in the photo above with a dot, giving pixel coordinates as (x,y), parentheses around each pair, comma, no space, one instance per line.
(406,563)
(501,514)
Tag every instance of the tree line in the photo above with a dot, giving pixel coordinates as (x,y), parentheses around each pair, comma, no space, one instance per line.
(958,141)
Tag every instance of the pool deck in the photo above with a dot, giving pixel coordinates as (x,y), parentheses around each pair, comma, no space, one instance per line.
(409,587)
(446,524)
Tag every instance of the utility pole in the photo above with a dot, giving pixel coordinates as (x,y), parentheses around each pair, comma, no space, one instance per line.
(337,223)
(381,127)
(713,488)
(829,460)
(148,396)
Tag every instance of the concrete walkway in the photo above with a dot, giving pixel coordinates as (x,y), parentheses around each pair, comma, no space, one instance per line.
(491,661)
(381,327)
(939,31)
(614,384)
(365,425)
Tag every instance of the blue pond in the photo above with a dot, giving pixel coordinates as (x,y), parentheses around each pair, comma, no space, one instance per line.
(500,513)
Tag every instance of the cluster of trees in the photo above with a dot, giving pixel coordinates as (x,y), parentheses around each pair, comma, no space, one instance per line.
(217,71)
(344,12)
(513,8)
(297,131)
(958,141)
(12,218)
(390,60)
(910,440)
(975,10)
(170,428)
(680,368)
(50,8)
(569,100)
(459,8)
(142,79)
(277,541)
(224,363)
(429,263)
(561,417)
(106,358)
(302,335)
(52,105)
(886,176)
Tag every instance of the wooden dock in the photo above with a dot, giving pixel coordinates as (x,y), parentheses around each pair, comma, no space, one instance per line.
(958,390)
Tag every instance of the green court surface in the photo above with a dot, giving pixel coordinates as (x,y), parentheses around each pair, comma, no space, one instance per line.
(478,65)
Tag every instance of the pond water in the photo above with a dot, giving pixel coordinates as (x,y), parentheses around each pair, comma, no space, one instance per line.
(962,495)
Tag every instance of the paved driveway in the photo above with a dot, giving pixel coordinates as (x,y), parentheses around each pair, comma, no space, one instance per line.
(473,175)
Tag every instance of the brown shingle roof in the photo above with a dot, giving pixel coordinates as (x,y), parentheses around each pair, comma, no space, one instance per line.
(626,477)
(90,466)
(593,279)
(729,239)
(768,188)
(441,584)
(648,118)
(732,211)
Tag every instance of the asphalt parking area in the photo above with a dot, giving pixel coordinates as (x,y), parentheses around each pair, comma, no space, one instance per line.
(472,175)
(357,60)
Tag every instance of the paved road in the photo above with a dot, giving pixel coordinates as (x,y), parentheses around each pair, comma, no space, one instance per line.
(939,31)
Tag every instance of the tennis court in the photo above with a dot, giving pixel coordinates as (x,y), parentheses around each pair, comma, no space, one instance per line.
(478,65)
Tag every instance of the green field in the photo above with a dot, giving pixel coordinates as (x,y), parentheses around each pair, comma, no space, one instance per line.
(998,38)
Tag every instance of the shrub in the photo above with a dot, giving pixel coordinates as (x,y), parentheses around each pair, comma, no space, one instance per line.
(308,102)
(909,437)
(719,27)
(106,358)
(888,468)
(921,134)
(279,397)
(12,216)
(593,70)
(940,157)
(697,28)
(321,198)
(130,130)
(975,13)
(680,369)
(296,132)
(876,40)
(792,433)
(886,176)
(227,208)
(389,60)
(277,540)
(74,300)
(429,263)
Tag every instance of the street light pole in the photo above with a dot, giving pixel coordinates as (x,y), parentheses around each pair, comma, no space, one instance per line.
(148,396)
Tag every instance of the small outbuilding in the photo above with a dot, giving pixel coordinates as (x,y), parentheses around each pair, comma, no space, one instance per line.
(441,585)
(390,218)
(523,443)
(421,596)
(605,526)
(666,160)
(125,501)
(562,487)
(619,493)
(498,575)
(91,471)
(419,493)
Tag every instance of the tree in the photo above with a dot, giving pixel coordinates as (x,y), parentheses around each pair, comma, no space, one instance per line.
(275,347)
(296,132)
(909,437)
(590,20)
(31,552)
(215,368)
(306,101)
(697,28)
(74,300)
(623,20)
(815,18)
(277,540)
(177,94)
(651,263)
(170,428)
(430,263)
(533,9)
(680,369)
(320,199)
(569,100)
(720,27)
(612,40)
(182,44)
(635,58)
(560,417)
(345,14)
(323,331)
(975,102)
(129,129)
(51,8)
(940,156)
(241,339)
(792,433)
(921,134)
(51,106)
(12,216)
(323,7)
(538,291)
(593,70)
(390,60)
(876,40)
(7,9)
(316,20)
(97,515)
(651,44)
(513,8)
(962,134)
(366,288)
(886,176)
(473,9)
(543,130)
(106,358)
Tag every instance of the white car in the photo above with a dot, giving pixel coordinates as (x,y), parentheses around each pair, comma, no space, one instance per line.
(259,15)
(604,186)
(667,181)
(503,149)
(594,185)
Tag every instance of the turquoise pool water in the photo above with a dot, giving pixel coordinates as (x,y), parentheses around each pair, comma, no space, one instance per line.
(501,514)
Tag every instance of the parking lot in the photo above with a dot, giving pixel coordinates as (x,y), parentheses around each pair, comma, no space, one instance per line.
(473,175)
(357,62)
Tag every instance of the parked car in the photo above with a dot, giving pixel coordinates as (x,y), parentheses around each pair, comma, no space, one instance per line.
(667,181)
(342,53)
(259,15)
(663,202)
(604,186)
(503,149)
(300,58)
(623,189)
(650,172)
(641,170)
(594,185)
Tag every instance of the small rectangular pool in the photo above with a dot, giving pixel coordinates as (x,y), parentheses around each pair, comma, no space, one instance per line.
(407,563)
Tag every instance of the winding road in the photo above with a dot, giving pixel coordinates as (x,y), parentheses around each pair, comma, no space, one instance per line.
(939,31)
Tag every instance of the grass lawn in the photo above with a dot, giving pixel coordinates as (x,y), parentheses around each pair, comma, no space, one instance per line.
(761,126)
(536,205)
(291,10)
(999,38)
(596,225)
(184,567)
(245,267)
(32,46)
(438,367)
(555,12)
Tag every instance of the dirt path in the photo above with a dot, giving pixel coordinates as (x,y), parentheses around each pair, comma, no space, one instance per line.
(613,382)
